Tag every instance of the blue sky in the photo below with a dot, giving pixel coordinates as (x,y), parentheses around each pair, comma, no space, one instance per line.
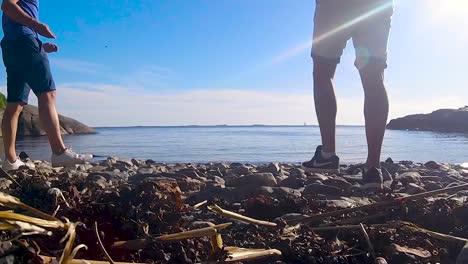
(207,62)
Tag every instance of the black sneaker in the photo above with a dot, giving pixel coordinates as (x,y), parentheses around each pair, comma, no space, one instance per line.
(320,165)
(372,179)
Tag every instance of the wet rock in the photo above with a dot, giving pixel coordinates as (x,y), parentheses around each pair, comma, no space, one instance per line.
(255,179)
(413,188)
(409,177)
(316,188)
(432,165)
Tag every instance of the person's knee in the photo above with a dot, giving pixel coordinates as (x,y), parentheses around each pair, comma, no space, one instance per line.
(372,75)
(46,97)
(13,109)
(324,70)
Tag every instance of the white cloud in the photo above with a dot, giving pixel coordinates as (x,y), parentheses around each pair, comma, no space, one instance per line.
(113,105)
(78,66)
(108,105)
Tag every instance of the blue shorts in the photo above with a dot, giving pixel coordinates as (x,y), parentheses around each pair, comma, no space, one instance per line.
(27,68)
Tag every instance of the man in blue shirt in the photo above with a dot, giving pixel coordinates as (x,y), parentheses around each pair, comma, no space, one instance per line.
(27,67)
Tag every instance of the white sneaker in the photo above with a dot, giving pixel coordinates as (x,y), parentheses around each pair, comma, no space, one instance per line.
(8,166)
(69,158)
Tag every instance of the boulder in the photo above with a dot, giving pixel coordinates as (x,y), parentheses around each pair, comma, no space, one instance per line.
(254,179)
(409,177)
(29,124)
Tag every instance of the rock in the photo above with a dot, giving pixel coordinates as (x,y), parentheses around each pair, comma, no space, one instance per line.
(443,120)
(190,185)
(343,202)
(292,182)
(386,175)
(97,180)
(463,257)
(145,170)
(192,173)
(316,188)
(297,173)
(389,160)
(241,170)
(432,165)
(432,186)
(279,192)
(97,168)
(339,183)
(403,254)
(409,177)
(392,168)
(318,176)
(255,179)
(290,216)
(5,184)
(413,188)
(219,180)
(29,124)
(273,168)
(380,260)
(461,212)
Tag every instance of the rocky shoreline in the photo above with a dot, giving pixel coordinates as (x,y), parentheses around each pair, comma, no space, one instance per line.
(442,121)
(142,199)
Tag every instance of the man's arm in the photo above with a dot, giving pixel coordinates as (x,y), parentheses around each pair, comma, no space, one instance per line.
(17,14)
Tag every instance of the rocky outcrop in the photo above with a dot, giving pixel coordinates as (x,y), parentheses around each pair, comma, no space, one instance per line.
(29,124)
(443,120)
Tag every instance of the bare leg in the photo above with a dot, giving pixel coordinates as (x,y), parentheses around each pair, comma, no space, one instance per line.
(325,103)
(50,122)
(9,129)
(375,111)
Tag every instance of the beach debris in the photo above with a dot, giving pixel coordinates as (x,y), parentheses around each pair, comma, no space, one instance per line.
(173,213)
(239,217)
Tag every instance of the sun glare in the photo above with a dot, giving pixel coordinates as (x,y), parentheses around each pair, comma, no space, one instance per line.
(450,11)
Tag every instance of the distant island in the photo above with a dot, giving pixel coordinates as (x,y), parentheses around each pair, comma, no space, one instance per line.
(442,120)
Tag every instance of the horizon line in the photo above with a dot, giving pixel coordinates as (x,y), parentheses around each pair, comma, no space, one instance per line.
(222,125)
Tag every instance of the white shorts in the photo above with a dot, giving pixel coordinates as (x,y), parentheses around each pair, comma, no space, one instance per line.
(366,22)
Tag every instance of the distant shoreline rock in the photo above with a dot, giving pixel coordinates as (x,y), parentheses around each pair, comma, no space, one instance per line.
(442,120)
(29,124)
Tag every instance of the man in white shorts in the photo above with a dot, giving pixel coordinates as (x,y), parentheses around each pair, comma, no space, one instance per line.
(367,23)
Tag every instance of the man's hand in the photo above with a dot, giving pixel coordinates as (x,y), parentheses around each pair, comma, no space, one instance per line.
(49,47)
(17,14)
(43,30)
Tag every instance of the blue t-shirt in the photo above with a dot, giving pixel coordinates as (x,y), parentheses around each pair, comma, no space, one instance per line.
(13,30)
